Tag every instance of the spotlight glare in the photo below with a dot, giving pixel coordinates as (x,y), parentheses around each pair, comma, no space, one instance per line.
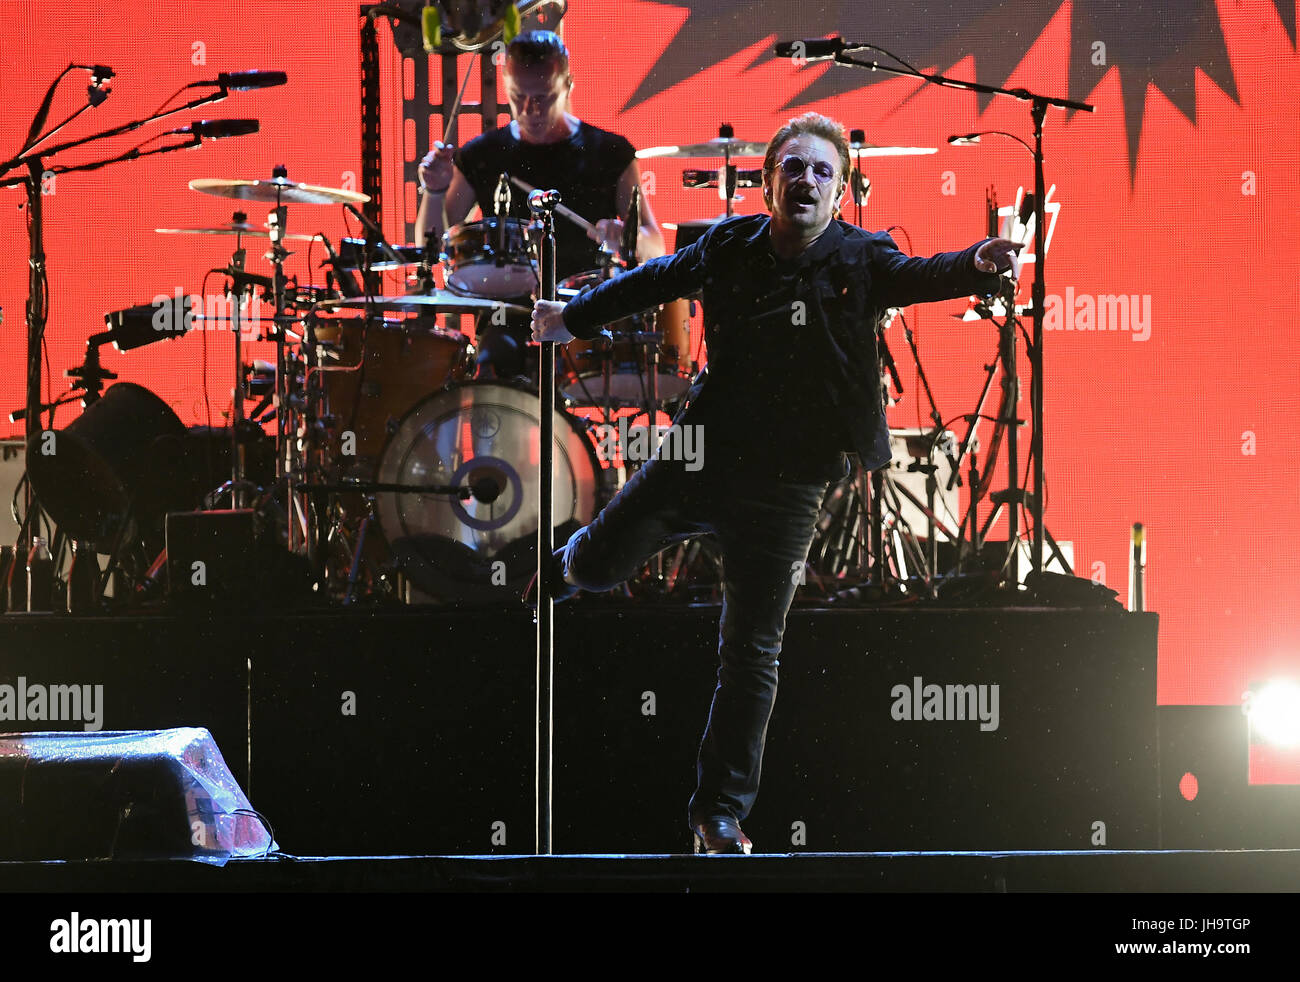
(1274,712)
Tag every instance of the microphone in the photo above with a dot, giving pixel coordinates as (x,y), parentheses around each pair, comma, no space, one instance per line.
(244,81)
(242,280)
(502,199)
(631,226)
(860,185)
(378,234)
(964,140)
(347,282)
(812,49)
(1026,209)
(217,129)
(540,201)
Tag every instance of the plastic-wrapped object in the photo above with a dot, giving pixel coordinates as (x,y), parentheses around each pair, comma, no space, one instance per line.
(135,794)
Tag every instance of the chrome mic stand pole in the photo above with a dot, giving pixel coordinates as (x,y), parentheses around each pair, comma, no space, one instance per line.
(542,205)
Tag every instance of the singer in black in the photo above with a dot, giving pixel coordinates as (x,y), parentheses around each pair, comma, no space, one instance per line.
(791,304)
(547,147)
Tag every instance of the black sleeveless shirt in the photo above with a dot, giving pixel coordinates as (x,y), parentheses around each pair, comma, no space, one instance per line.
(585,169)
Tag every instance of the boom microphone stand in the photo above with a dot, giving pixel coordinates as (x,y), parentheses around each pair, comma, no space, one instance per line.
(542,204)
(36,173)
(836,48)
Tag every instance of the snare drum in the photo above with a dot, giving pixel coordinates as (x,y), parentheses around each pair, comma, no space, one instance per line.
(402,364)
(477,264)
(616,371)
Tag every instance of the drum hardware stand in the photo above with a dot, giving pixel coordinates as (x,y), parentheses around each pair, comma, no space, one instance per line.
(368,490)
(926,466)
(727,173)
(354,567)
(887,513)
(90,376)
(859,185)
(1007,424)
(284,469)
(239,288)
(856,533)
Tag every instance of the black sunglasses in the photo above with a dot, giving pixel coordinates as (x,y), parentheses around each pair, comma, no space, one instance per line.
(793,167)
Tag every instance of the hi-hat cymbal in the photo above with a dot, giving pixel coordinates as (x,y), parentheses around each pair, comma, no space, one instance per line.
(719,146)
(437,302)
(237,228)
(278,190)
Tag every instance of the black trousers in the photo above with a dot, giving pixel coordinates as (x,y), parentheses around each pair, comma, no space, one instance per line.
(764,528)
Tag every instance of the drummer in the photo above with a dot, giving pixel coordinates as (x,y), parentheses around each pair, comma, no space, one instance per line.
(548,147)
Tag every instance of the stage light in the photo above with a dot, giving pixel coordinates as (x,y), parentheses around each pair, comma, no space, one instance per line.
(1274,712)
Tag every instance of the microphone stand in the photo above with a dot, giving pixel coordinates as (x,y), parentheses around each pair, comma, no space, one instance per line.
(543,209)
(1038,111)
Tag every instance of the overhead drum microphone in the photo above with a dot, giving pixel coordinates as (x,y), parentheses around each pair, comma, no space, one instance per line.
(218,129)
(813,49)
(502,200)
(631,226)
(245,81)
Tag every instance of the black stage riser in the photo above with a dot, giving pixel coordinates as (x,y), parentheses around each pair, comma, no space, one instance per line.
(433,751)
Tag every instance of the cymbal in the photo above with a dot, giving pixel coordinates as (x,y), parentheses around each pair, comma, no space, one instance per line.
(871,150)
(439,301)
(278,190)
(719,146)
(237,228)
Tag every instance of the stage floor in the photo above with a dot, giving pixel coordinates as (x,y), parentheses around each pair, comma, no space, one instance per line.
(1102,871)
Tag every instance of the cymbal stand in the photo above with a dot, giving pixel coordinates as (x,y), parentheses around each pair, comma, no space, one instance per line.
(297,532)
(237,292)
(727,175)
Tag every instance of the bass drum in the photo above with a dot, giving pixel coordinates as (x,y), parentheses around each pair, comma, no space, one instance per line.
(482,434)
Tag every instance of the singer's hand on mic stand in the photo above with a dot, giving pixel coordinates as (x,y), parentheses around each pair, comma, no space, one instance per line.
(548,322)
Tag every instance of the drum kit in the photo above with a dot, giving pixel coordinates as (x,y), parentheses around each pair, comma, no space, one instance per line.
(400,473)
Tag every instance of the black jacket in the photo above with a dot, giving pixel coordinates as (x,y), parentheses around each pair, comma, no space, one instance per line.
(845,280)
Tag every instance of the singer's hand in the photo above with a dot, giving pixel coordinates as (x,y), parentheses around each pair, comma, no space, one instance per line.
(999,255)
(436,168)
(609,233)
(548,322)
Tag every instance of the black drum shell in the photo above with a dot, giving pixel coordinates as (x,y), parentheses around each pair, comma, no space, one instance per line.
(118,455)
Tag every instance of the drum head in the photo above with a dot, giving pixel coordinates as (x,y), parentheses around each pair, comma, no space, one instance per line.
(485,435)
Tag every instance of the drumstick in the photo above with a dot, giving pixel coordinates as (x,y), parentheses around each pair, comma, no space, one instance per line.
(455,106)
(568,213)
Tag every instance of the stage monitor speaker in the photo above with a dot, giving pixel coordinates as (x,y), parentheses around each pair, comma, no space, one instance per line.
(139,794)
